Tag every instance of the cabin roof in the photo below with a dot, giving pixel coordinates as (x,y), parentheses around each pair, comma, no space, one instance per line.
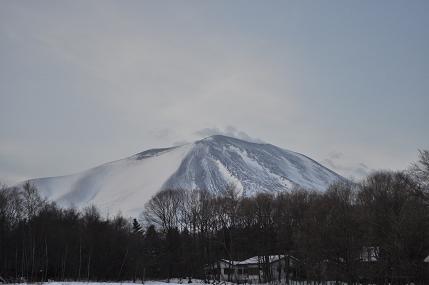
(257,259)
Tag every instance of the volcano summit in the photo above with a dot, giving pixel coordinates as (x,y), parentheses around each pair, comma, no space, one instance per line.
(212,164)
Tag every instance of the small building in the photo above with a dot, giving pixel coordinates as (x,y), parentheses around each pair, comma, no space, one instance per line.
(222,270)
(256,269)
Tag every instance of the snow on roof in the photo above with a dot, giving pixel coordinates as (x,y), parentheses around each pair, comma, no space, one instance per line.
(230,261)
(256,259)
(259,259)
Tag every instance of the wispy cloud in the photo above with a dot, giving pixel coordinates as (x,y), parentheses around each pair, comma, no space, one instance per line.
(227,131)
(337,161)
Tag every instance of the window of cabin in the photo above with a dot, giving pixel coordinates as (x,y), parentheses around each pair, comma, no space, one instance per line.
(252,271)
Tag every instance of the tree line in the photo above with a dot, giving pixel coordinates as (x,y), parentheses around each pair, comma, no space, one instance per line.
(376,230)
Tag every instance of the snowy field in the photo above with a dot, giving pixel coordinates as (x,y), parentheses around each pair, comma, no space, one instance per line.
(172,282)
(180,282)
(160,282)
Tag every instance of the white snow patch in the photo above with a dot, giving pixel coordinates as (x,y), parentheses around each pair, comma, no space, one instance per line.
(229,177)
(174,281)
(252,163)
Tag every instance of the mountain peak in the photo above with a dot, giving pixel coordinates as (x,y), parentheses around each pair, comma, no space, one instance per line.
(217,138)
(225,139)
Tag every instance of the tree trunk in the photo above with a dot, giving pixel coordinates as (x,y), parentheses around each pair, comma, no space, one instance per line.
(80,259)
(46,261)
(89,265)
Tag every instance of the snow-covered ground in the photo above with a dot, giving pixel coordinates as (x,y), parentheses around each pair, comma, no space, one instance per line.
(164,282)
(177,282)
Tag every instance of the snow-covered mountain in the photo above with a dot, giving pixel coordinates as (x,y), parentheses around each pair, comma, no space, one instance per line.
(212,163)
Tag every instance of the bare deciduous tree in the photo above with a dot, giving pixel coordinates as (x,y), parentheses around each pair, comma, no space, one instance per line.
(164,209)
(420,170)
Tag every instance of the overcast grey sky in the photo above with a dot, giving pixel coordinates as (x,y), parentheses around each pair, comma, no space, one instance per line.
(86,82)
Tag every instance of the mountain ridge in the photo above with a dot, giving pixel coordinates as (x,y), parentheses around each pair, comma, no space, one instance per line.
(212,164)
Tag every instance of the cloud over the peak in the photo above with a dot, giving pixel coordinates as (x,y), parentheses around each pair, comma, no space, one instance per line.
(229,131)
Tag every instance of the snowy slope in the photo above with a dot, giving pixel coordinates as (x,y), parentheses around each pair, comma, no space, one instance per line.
(212,163)
(124,185)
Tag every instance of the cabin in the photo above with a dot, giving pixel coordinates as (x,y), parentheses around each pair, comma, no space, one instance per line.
(256,269)
(222,270)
